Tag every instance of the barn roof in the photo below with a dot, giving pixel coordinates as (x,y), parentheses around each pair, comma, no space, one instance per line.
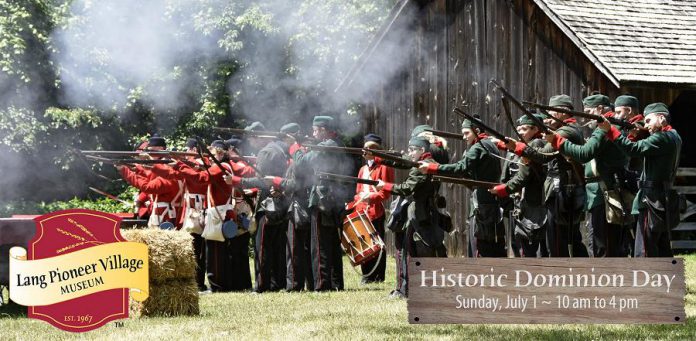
(632,41)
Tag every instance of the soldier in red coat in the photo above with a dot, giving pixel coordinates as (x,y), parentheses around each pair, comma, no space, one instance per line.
(164,193)
(371,201)
(227,262)
(192,216)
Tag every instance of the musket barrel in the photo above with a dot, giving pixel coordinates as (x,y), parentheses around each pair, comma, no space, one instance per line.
(124,152)
(253,133)
(334,149)
(612,120)
(129,161)
(391,157)
(466,182)
(445,134)
(345,178)
(483,126)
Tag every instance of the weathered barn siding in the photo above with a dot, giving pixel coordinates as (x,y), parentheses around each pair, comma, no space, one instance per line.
(459,47)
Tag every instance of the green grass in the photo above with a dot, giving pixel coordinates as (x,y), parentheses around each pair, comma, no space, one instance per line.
(360,312)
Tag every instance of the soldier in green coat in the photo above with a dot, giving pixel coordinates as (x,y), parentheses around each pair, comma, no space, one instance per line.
(423,237)
(480,162)
(627,108)
(564,192)
(326,204)
(523,180)
(656,204)
(605,168)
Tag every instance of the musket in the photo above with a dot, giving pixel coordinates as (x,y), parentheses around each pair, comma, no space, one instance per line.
(518,104)
(334,149)
(129,161)
(508,114)
(546,113)
(245,158)
(391,157)
(507,94)
(218,163)
(253,133)
(201,148)
(345,178)
(347,150)
(483,126)
(126,153)
(465,182)
(445,134)
(112,197)
(598,118)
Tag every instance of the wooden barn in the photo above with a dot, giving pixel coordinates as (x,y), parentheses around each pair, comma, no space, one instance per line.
(536,48)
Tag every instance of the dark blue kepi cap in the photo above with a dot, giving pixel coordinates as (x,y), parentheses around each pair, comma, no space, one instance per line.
(373,138)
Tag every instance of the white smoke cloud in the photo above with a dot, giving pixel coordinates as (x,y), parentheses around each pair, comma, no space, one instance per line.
(113,51)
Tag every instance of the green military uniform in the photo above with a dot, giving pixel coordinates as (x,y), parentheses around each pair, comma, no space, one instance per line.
(271,219)
(480,162)
(422,235)
(605,164)
(326,204)
(523,180)
(297,185)
(655,202)
(564,194)
(635,164)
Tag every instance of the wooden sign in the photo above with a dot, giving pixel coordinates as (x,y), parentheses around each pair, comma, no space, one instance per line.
(546,290)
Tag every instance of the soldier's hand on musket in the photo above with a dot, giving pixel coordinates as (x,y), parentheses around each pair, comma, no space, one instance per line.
(604,125)
(550,137)
(380,185)
(511,144)
(276,192)
(268,180)
(228,179)
(423,166)
(144,156)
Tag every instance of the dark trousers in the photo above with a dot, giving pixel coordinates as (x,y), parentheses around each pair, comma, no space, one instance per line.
(559,236)
(298,258)
(604,239)
(399,255)
(651,243)
(327,256)
(227,264)
(413,248)
(482,247)
(533,247)
(377,265)
(199,256)
(269,252)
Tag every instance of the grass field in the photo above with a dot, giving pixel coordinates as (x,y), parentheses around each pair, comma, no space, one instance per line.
(360,312)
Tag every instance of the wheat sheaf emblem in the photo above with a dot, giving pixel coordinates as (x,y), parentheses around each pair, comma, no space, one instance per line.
(80,239)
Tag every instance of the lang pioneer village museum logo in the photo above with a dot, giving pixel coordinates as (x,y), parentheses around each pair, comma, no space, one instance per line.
(77,271)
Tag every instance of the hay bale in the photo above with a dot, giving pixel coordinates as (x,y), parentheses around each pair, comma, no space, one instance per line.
(178,297)
(170,253)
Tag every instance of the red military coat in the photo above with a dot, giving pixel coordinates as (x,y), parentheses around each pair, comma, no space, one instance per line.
(374,200)
(162,191)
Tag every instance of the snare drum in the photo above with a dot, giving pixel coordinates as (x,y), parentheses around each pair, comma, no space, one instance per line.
(359,239)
